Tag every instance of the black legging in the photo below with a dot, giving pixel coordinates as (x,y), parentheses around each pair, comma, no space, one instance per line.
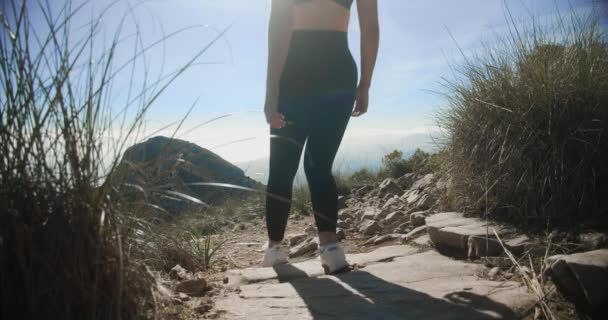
(320,121)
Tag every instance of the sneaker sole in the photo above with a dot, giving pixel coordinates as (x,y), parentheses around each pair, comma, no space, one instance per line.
(341,270)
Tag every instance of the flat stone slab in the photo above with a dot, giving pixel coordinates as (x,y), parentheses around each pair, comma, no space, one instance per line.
(465,236)
(311,268)
(415,286)
(583,278)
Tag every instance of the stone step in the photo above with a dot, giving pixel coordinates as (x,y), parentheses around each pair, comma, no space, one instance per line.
(311,268)
(412,286)
(454,234)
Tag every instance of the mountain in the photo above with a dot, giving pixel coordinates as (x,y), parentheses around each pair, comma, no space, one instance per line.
(355,153)
(165,168)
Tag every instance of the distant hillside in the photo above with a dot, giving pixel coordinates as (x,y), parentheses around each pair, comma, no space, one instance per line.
(355,153)
(163,166)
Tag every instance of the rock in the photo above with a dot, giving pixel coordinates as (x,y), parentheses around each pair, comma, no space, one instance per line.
(346,214)
(295,239)
(369,227)
(162,292)
(204,306)
(193,288)
(423,183)
(493,272)
(389,186)
(392,203)
(423,285)
(363,190)
(340,234)
(411,196)
(342,202)
(311,228)
(351,202)
(413,234)
(593,240)
(370,213)
(403,228)
(247,244)
(424,202)
(583,278)
(183,297)
(406,180)
(384,238)
(371,240)
(423,240)
(342,224)
(382,214)
(418,218)
(395,218)
(303,248)
(523,243)
(179,273)
(349,222)
(455,234)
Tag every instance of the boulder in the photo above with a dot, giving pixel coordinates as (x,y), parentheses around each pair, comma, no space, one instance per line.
(583,278)
(395,218)
(422,240)
(406,180)
(453,233)
(340,234)
(303,248)
(371,240)
(413,234)
(351,202)
(369,227)
(392,203)
(311,228)
(194,288)
(423,182)
(411,196)
(179,273)
(384,238)
(364,190)
(295,239)
(342,224)
(403,228)
(370,213)
(418,218)
(346,214)
(593,240)
(349,222)
(389,186)
(424,202)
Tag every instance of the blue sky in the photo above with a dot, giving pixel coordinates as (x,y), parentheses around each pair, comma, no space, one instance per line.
(416,49)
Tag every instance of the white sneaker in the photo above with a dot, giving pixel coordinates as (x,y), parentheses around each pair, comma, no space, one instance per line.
(332,257)
(278,254)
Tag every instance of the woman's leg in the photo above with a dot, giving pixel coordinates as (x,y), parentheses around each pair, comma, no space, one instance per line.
(328,122)
(285,150)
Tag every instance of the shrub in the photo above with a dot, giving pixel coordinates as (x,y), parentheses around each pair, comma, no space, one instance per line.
(64,233)
(526,125)
(394,166)
(363,176)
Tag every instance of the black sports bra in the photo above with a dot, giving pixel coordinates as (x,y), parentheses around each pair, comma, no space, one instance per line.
(345,3)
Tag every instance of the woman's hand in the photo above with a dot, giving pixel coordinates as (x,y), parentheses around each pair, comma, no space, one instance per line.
(273,117)
(361,101)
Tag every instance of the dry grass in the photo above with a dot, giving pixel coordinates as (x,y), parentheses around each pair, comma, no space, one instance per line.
(526,125)
(65,233)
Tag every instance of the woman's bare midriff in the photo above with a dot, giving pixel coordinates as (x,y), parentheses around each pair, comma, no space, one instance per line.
(321,15)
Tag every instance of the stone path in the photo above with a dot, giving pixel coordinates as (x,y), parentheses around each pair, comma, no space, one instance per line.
(394,282)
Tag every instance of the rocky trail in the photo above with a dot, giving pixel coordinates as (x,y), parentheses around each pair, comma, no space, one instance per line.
(409,261)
